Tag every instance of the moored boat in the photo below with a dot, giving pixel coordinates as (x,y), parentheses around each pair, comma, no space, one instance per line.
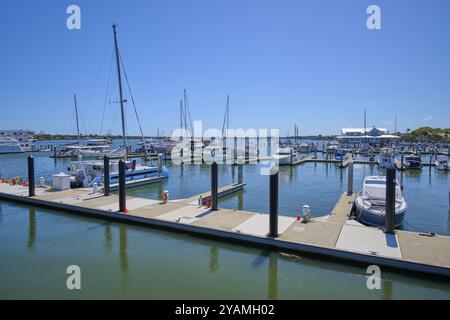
(441,163)
(370,202)
(412,162)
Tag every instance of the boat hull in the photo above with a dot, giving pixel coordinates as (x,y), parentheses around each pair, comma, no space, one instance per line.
(376,220)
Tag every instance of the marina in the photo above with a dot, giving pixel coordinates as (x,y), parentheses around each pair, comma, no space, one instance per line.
(225,151)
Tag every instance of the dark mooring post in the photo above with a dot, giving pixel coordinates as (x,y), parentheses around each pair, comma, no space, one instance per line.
(122,195)
(350,179)
(273,204)
(31,191)
(106,175)
(240,173)
(390,201)
(214,185)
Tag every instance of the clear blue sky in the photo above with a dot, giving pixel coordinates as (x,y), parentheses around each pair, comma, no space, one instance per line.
(283,62)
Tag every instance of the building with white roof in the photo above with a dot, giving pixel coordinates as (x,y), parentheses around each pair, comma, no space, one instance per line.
(372,136)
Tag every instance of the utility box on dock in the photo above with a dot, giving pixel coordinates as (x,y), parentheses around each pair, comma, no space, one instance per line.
(61,181)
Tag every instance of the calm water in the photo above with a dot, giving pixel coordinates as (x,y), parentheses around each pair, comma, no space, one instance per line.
(127,261)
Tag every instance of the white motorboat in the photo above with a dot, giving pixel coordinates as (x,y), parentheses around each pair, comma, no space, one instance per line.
(9,145)
(386,158)
(85,173)
(332,147)
(370,203)
(304,148)
(285,156)
(441,163)
(24,139)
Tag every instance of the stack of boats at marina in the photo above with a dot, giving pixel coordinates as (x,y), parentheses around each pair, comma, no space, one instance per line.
(94,149)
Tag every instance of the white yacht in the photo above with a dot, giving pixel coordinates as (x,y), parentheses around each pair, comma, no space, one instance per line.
(441,163)
(304,148)
(386,158)
(9,145)
(85,173)
(370,203)
(283,156)
(22,137)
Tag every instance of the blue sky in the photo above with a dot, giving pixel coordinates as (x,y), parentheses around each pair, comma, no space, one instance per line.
(282,62)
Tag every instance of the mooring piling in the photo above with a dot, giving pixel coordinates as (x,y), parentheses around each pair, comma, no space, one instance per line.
(273,205)
(350,178)
(159,164)
(106,175)
(31,184)
(122,194)
(240,173)
(390,201)
(214,186)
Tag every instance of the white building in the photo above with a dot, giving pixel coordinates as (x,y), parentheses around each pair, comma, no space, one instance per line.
(372,136)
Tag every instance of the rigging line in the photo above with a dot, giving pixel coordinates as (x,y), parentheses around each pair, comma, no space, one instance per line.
(188,111)
(98,70)
(108,86)
(131,96)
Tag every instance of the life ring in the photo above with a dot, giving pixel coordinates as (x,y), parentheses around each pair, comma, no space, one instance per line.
(164,197)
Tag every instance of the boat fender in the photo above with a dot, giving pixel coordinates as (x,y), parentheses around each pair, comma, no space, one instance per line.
(164,197)
(208,203)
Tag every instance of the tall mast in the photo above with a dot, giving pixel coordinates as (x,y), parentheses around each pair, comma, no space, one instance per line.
(395,127)
(181,116)
(365,139)
(120,90)
(76,116)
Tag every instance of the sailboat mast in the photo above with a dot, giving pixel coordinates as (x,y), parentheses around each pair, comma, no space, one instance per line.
(120,90)
(365,129)
(76,116)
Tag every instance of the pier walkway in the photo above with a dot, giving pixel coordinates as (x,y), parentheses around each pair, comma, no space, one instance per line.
(333,235)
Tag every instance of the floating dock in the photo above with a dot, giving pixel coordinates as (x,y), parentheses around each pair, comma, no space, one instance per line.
(331,236)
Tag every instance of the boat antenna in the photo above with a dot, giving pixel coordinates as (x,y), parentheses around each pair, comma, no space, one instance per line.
(76,116)
(120,90)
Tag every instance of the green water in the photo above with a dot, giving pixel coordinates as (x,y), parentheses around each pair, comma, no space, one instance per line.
(129,261)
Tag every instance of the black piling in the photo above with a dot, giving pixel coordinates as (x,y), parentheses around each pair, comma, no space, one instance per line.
(350,179)
(390,201)
(122,194)
(106,175)
(214,185)
(31,183)
(273,204)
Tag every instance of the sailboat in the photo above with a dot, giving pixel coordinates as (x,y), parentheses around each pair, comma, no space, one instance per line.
(87,173)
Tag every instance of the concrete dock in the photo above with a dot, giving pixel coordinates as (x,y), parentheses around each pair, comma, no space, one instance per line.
(333,235)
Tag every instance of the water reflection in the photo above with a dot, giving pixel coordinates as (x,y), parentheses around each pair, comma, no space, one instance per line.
(108,238)
(213,259)
(123,256)
(273,276)
(387,293)
(31,228)
(240,200)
